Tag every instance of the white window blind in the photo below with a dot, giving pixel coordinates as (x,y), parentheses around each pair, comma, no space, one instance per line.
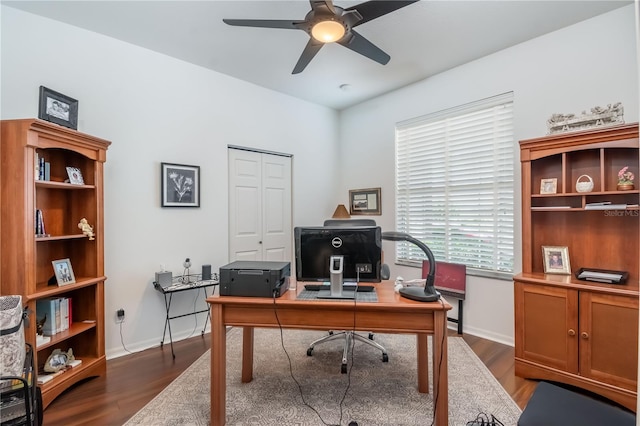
(454,186)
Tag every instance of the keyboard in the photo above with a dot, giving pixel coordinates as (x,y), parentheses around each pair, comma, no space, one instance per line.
(348,287)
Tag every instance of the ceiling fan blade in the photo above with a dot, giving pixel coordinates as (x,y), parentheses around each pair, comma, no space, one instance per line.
(374,9)
(265,23)
(361,45)
(326,3)
(308,53)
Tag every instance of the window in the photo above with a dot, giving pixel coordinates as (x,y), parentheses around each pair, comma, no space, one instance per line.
(454,186)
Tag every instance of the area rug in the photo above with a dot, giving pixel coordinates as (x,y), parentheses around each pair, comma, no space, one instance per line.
(374,393)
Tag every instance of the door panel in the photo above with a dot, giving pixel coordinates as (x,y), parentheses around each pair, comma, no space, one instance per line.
(259,206)
(245,205)
(546,326)
(609,338)
(276,222)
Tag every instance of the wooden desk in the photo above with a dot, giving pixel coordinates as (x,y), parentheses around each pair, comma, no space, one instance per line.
(391,314)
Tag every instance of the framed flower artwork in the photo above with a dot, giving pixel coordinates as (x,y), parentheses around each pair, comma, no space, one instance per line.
(180,185)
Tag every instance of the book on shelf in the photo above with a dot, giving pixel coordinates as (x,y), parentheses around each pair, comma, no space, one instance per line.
(47,377)
(41,169)
(42,340)
(47,171)
(596,206)
(40,228)
(76,362)
(46,311)
(36,168)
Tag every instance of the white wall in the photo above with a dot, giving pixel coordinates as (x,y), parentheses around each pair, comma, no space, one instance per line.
(154,109)
(571,70)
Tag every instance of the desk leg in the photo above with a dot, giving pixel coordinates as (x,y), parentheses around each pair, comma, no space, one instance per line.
(218,366)
(440,372)
(422,343)
(247,354)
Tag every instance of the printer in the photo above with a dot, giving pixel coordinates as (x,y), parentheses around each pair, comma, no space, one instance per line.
(254,278)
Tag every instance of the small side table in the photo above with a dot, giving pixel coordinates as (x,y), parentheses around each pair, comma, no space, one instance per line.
(179,284)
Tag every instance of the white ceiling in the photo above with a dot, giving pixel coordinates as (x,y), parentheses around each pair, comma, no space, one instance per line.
(423,39)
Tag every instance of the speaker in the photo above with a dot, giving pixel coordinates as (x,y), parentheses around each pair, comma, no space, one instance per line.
(206,272)
(164,278)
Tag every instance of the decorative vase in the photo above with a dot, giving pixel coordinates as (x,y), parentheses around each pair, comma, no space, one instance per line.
(625,186)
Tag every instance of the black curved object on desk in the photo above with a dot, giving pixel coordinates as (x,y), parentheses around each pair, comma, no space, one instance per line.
(429,293)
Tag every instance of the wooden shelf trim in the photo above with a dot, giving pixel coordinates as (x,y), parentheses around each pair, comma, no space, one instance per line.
(60,237)
(75,329)
(61,185)
(87,363)
(630,288)
(48,291)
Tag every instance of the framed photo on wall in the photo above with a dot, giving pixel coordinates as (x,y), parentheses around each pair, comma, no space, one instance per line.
(64,272)
(365,201)
(556,260)
(180,185)
(58,108)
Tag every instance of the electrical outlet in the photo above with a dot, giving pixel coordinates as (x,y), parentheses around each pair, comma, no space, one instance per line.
(120,315)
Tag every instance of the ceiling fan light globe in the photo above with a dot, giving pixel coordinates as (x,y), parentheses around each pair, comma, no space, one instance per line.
(328,31)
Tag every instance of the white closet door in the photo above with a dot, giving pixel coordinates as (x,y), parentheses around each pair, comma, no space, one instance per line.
(259,206)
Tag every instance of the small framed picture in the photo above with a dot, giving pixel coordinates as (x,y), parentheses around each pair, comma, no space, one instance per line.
(556,260)
(180,185)
(75,176)
(365,201)
(58,108)
(64,272)
(548,186)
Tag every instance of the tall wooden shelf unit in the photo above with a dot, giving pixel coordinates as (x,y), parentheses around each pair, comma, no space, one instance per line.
(26,259)
(581,333)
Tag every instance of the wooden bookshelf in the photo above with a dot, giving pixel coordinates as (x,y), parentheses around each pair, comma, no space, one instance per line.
(26,258)
(568,330)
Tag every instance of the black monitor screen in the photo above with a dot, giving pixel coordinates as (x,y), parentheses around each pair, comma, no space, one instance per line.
(361,247)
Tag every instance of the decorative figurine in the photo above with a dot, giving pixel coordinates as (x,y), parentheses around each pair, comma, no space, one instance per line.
(40,324)
(86,228)
(58,360)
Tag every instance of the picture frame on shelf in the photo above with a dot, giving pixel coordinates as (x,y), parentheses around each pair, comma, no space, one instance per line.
(556,260)
(75,176)
(548,186)
(58,108)
(180,185)
(63,271)
(365,201)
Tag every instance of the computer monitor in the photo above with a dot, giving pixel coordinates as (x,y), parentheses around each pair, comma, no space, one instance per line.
(360,247)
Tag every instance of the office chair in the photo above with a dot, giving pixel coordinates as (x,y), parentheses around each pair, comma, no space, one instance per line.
(349,336)
(450,280)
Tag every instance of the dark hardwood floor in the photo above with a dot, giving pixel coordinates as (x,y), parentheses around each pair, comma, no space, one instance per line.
(133,380)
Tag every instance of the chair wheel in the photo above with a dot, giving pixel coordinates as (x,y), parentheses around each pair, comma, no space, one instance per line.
(330,332)
(370,336)
(343,369)
(309,351)
(385,358)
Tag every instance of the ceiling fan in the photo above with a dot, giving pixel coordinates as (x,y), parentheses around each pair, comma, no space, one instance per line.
(328,23)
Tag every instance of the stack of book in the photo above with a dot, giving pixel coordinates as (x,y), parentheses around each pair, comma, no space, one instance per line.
(56,313)
(40,230)
(43,168)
